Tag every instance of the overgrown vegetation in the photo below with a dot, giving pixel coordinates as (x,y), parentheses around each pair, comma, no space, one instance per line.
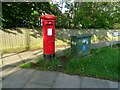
(55,64)
(102,63)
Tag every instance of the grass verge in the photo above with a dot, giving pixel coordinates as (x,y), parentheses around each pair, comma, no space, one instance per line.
(102,63)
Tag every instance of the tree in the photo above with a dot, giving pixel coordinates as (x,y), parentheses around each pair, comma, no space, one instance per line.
(81,14)
(23,14)
(95,15)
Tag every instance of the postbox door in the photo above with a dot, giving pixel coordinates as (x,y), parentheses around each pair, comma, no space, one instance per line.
(48,36)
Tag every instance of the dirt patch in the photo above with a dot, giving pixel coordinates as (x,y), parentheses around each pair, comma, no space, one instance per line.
(63,59)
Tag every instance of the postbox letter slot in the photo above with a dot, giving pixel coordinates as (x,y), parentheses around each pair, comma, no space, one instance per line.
(49,24)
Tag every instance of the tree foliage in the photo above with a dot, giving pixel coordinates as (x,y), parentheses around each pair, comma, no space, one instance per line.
(96,15)
(81,14)
(24,14)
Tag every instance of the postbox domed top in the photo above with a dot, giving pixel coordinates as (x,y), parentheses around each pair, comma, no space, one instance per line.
(48,16)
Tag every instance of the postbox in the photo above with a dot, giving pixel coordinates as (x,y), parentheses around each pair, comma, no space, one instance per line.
(48,27)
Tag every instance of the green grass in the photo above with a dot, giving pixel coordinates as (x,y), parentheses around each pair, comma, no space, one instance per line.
(102,63)
(41,64)
(26,65)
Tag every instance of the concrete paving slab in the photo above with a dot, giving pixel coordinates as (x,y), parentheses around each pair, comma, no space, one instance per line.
(0,73)
(26,55)
(1,62)
(19,58)
(0,84)
(45,78)
(7,55)
(34,85)
(112,84)
(18,62)
(38,52)
(11,59)
(18,79)
(67,81)
(119,85)
(9,70)
(87,82)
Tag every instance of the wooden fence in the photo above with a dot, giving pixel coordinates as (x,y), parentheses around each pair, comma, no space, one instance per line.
(12,40)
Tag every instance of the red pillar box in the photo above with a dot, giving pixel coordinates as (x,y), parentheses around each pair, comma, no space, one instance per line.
(48,27)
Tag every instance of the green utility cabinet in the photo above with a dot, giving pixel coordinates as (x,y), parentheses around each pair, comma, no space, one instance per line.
(81,45)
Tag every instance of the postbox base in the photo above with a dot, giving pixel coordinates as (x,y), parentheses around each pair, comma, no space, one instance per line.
(48,56)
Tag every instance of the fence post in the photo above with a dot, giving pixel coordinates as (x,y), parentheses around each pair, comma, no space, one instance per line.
(27,39)
(1,49)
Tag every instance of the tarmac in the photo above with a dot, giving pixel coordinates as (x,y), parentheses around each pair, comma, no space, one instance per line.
(14,77)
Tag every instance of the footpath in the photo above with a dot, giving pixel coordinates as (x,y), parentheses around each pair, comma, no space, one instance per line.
(14,77)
